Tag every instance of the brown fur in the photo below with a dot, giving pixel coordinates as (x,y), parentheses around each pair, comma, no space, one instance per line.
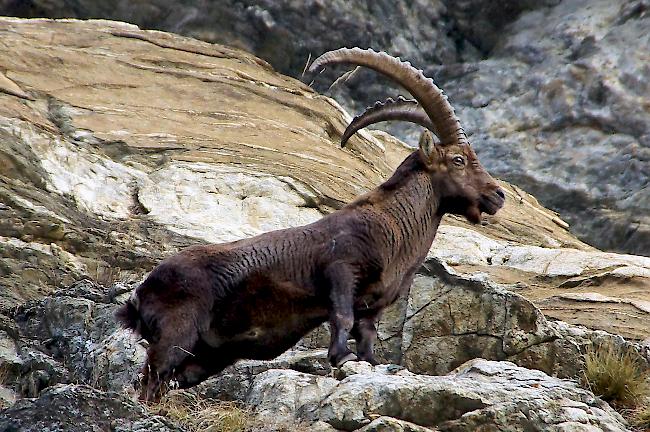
(208,306)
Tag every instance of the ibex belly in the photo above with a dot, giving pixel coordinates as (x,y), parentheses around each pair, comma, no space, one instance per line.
(265,321)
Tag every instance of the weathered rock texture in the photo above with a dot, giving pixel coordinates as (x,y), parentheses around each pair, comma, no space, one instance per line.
(282,32)
(79,408)
(119,146)
(553,92)
(560,108)
(71,337)
(493,395)
(479,394)
(143,142)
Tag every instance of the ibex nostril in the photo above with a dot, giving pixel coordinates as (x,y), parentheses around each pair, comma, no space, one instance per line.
(500,192)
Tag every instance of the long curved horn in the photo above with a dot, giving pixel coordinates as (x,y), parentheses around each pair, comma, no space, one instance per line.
(401,109)
(423,89)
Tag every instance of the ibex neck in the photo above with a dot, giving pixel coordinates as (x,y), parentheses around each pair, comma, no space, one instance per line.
(411,201)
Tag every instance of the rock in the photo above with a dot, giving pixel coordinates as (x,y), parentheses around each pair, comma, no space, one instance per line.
(557,109)
(480,394)
(254,202)
(551,92)
(39,371)
(69,338)
(117,361)
(450,320)
(565,283)
(10,361)
(564,357)
(283,33)
(320,426)
(7,397)
(80,408)
(480,24)
(234,383)
(287,393)
(449,317)
(389,424)
(352,368)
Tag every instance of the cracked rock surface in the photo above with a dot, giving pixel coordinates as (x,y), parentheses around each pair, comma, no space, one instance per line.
(80,408)
(478,394)
(99,180)
(552,93)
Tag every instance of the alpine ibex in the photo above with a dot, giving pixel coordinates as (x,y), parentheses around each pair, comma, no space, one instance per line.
(208,306)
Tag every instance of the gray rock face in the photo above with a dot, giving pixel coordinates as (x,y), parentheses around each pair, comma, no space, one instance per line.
(450,320)
(558,109)
(553,93)
(390,424)
(79,408)
(72,336)
(284,33)
(480,394)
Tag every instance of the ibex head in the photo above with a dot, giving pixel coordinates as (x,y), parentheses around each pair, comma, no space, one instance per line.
(465,187)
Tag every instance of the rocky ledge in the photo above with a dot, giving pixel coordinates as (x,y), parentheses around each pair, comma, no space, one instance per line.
(436,375)
(119,146)
(479,394)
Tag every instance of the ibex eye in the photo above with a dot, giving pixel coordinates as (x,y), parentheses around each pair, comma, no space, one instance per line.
(458,160)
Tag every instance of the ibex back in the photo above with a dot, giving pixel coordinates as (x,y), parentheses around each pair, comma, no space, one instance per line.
(208,306)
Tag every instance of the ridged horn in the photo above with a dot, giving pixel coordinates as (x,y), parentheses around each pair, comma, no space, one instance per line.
(401,109)
(431,98)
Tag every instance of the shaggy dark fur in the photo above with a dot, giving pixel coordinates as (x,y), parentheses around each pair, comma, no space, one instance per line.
(208,306)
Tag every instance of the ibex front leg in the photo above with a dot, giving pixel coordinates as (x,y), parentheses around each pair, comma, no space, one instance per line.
(342,283)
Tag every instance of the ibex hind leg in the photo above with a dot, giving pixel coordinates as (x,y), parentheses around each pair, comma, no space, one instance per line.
(178,335)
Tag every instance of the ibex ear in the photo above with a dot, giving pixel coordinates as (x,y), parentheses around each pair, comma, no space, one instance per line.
(428,147)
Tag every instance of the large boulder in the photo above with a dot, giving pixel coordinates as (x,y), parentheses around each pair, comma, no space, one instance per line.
(552,92)
(70,336)
(479,394)
(79,408)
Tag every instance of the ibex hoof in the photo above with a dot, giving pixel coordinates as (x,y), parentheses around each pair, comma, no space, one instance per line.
(348,357)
